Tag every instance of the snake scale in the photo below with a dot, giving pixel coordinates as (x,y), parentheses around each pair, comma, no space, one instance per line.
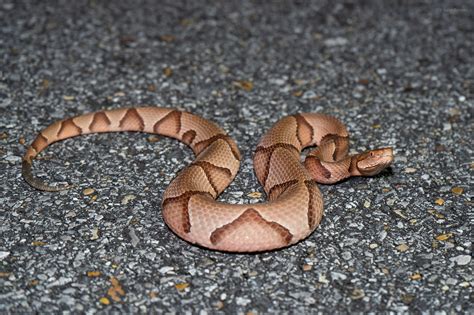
(295,205)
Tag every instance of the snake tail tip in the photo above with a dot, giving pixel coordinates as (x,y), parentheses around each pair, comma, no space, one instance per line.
(26,170)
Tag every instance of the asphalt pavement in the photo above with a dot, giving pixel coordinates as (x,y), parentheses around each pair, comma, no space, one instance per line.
(399,74)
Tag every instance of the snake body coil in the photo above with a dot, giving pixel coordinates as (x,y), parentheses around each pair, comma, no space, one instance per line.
(295,205)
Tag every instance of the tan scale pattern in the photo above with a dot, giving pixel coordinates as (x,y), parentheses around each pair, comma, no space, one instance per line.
(315,204)
(202,145)
(68,129)
(40,143)
(262,159)
(219,153)
(188,137)
(132,121)
(314,166)
(284,166)
(170,124)
(191,178)
(284,131)
(203,128)
(304,130)
(100,122)
(279,189)
(250,225)
(295,205)
(217,176)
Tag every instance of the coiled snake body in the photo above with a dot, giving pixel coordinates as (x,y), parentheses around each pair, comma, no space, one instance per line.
(295,205)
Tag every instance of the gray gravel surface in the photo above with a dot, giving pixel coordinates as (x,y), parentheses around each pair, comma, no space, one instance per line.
(398,74)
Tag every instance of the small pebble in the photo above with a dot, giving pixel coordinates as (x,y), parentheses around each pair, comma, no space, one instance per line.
(309,95)
(402,248)
(88,191)
(444,237)
(166,269)
(322,279)
(104,301)
(338,276)
(94,234)
(181,286)
(93,274)
(153,138)
(244,85)
(255,194)
(346,255)
(168,72)
(126,199)
(451,281)
(357,294)
(461,260)
(4,254)
(416,276)
(407,298)
(242,301)
(336,41)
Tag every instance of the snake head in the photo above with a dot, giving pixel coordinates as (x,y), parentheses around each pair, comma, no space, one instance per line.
(372,162)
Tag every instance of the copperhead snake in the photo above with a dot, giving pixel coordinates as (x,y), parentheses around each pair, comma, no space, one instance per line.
(295,205)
